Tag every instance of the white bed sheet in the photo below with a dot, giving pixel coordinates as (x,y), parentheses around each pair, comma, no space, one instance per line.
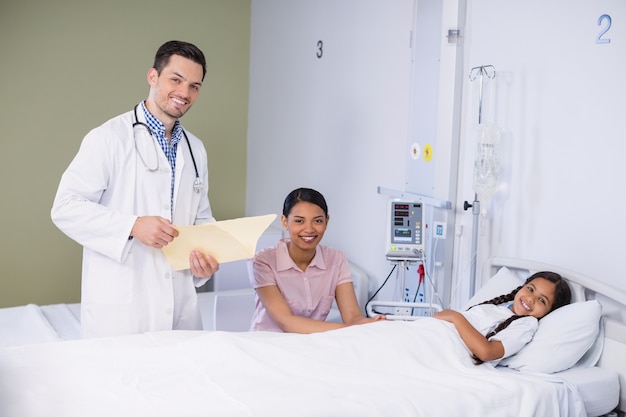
(64,319)
(598,388)
(393,368)
(25,325)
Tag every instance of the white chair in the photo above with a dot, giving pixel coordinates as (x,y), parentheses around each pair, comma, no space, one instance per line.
(233,310)
(231,276)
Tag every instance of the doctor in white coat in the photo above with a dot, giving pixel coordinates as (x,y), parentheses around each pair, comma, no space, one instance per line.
(132,181)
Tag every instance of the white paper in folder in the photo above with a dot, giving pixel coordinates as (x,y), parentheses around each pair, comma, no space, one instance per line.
(226,240)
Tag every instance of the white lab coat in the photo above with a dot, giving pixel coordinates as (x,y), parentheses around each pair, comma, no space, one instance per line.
(128,287)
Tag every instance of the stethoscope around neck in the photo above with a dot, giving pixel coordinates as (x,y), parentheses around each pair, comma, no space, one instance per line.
(149,153)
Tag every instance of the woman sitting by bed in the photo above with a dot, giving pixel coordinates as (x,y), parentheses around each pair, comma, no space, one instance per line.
(297,281)
(499,328)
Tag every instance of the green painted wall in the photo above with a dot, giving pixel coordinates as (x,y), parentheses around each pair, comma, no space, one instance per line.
(68,66)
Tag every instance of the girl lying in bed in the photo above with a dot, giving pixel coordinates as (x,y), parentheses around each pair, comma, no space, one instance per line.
(498,328)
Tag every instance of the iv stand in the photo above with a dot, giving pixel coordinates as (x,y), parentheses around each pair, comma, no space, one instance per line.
(477,72)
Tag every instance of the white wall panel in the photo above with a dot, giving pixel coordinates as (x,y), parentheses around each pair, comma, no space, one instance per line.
(560,97)
(337,123)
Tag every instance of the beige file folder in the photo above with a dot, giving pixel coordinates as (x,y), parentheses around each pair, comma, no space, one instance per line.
(226,240)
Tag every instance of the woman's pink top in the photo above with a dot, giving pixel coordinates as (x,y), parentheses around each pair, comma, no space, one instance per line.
(309,293)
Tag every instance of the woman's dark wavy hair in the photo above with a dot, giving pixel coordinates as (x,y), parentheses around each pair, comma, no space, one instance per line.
(562,296)
(304,194)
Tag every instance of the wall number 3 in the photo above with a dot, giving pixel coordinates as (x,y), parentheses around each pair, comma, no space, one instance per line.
(320,49)
(605,22)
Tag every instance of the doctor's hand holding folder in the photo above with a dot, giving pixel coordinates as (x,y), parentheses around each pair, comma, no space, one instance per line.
(226,241)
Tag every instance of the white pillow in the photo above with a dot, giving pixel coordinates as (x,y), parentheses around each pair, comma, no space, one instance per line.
(563,337)
(592,356)
(503,282)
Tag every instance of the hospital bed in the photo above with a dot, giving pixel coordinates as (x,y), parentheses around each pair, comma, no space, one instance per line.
(229,307)
(573,367)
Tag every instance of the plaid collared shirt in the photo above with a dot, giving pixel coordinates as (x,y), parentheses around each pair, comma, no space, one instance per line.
(169,148)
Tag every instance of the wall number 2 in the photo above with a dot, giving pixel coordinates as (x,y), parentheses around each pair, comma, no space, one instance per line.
(605,22)
(320,49)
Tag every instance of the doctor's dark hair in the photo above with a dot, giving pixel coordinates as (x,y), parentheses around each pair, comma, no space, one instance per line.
(562,296)
(184,49)
(304,194)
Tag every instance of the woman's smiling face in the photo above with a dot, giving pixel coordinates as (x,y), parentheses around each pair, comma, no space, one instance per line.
(306,224)
(535,298)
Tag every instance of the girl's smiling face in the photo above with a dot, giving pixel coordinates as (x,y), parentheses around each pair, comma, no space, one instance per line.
(535,298)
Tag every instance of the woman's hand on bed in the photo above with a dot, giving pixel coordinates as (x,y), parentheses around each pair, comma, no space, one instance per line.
(348,305)
(365,320)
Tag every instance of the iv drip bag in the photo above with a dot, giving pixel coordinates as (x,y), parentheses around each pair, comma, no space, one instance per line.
(486,161)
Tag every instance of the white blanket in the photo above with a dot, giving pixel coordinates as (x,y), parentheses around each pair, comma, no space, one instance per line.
(25,325)
(419,368)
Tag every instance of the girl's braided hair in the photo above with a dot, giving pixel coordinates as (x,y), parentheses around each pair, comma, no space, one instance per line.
(562,296)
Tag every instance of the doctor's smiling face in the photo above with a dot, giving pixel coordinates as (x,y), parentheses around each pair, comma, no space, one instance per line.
(173,90)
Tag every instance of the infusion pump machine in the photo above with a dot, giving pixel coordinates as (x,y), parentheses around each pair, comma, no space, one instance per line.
(405,231)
